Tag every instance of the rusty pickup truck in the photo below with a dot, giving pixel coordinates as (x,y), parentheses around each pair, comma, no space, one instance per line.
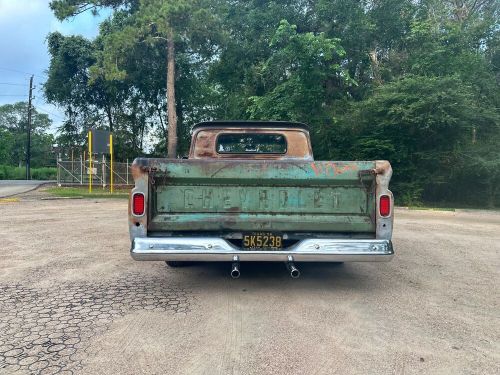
(252,191)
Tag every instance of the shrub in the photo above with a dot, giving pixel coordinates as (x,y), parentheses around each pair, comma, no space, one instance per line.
(8,172)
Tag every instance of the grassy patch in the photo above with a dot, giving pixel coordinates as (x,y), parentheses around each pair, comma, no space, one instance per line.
(431,208)
(84,192)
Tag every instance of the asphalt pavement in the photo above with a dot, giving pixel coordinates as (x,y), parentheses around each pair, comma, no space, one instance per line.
(13,187)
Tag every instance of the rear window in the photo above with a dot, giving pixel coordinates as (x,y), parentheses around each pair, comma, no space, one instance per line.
(248,143)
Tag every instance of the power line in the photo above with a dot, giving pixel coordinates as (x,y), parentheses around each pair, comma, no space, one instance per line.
(11,95)
(14,70)
(21,72)
(41,109)
(12,84)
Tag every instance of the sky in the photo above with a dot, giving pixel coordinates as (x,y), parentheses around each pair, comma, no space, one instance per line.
(24,26)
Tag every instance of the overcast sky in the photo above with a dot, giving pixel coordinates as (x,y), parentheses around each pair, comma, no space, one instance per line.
(24,25)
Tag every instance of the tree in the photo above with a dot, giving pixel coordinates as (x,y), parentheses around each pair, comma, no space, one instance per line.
(299,77)
(424,126)
(13,128)
(415,82)
(148,21)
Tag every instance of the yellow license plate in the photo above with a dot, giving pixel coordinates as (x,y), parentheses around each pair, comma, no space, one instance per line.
(263,241)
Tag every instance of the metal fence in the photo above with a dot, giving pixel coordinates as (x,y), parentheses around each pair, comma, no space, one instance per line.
(78,172)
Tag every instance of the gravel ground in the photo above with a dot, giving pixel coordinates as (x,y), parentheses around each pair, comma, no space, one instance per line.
(73,301)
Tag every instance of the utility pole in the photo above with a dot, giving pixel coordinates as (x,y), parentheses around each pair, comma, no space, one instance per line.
(28,143)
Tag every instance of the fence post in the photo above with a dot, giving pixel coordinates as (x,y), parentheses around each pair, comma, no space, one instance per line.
(127,171)
(59,170)
(81,170)
(103,171)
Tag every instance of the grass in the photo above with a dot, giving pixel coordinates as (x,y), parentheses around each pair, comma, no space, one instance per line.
(73,192)
(425,208)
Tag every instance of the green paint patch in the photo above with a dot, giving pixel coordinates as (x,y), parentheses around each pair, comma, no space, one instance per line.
(84,192)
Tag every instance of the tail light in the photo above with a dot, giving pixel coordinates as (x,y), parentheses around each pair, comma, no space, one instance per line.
(384,205)
(138,204)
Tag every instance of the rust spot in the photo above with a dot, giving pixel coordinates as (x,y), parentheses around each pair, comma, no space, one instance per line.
(317,169)
(344,168)
(382,167)
(332,168)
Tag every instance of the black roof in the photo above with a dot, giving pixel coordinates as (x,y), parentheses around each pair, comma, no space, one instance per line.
(251,124)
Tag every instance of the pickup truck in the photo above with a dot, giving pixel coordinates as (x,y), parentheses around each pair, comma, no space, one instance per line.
(252,191)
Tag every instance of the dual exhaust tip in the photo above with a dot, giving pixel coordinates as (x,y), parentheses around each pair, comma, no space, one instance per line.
(235,268)
(290,265)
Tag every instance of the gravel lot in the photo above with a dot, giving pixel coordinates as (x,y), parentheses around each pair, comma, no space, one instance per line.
(73,301)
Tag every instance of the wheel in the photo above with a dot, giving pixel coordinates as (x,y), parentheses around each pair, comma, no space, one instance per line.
(175,263)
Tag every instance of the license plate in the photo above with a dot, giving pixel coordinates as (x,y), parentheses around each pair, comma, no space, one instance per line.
(263,241)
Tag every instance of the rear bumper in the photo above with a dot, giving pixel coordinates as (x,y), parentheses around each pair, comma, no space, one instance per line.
(208,249)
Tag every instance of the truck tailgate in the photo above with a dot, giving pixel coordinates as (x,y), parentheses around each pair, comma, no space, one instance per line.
(285,196)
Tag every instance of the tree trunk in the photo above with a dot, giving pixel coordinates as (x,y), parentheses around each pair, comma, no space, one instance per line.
(375,66)
(163,128)
(171,108)
(110,118)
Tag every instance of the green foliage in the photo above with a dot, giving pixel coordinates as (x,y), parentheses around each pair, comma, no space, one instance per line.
(296,75)
(424,126)
(414,82)
(13,136)
(8,172)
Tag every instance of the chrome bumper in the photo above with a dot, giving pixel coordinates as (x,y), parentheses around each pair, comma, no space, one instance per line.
(207,249)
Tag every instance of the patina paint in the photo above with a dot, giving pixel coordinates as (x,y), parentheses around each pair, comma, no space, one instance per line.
(196,195)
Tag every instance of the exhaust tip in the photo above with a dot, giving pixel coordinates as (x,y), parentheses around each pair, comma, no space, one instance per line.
(294,271)
(235,268)
(235,273)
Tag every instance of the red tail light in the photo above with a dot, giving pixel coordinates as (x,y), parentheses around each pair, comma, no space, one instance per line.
(385,205)
(138,204)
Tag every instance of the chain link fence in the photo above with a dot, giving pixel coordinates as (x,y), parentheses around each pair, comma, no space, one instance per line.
(78,172)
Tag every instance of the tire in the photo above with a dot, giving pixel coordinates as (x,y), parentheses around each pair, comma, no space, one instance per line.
(175,263)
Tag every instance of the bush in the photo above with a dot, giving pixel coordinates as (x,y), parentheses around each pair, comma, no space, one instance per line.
(44,173)
(8,172)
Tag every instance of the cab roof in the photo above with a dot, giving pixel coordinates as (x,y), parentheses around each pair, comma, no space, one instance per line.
(250,124)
